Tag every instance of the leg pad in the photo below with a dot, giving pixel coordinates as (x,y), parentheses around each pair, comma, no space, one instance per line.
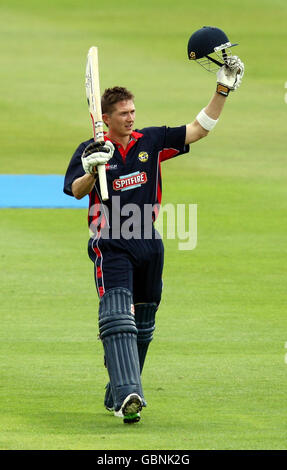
(118,333)
(145,322)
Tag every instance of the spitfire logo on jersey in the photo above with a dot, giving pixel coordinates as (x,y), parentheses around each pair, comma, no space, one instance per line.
(143,157)
(134,180)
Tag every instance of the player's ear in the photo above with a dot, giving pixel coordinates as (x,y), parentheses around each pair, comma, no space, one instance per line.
(106,119)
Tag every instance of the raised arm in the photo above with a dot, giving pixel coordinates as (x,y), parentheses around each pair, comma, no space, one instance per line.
(228,79)
(195,130)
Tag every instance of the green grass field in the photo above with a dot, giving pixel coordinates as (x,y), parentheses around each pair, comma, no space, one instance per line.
(216,375)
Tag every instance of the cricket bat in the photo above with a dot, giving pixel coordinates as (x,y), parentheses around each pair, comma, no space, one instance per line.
(94,101)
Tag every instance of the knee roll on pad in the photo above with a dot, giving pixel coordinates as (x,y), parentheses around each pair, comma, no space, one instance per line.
(118,333)
(115,313)
(145,321)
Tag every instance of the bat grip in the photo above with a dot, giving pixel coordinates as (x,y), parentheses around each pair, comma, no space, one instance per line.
(103,182)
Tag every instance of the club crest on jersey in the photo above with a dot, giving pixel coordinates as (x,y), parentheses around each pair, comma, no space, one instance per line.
(134,180)
(143,157)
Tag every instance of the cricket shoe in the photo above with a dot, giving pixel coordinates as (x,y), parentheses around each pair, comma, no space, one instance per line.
(109,405)
(130,409)
(132,419)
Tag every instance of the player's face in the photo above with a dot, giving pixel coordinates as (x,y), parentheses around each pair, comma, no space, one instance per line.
(120,122)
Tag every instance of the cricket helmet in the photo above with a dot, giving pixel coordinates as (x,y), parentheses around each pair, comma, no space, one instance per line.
(206,41)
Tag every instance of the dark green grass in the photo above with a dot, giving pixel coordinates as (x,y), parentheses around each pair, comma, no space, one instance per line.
(216,374)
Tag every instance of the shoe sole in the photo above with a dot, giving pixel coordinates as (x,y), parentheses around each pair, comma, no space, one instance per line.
(132,418)
(131,408)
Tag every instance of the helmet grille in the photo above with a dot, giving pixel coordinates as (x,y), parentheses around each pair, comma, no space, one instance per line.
(212,62)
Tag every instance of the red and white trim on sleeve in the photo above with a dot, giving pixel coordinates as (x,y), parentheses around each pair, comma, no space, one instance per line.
(163,155)
(166,154)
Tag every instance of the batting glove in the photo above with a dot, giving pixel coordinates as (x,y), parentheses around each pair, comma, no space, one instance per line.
(229,76)
(96,154)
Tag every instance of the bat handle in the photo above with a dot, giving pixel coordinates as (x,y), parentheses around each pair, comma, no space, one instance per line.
(103,182)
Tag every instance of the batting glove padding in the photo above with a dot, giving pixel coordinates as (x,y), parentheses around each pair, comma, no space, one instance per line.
(229,76)
(96,154)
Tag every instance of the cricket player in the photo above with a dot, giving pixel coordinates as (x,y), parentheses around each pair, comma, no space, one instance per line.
(127,252)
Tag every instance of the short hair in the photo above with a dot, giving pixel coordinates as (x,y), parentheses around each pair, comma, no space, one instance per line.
(112,96)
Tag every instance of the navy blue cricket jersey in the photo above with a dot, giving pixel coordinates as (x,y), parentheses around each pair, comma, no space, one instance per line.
(133,175)
(134,183)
